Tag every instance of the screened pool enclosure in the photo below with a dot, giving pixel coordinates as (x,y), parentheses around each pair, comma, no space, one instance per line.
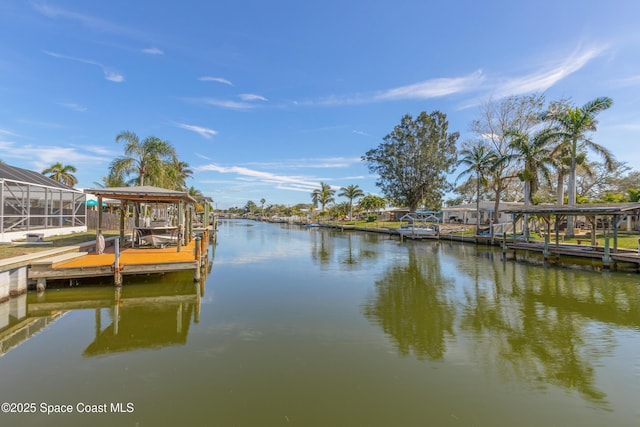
(31,203)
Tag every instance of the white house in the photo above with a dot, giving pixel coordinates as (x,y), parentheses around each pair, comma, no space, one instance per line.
(466,214)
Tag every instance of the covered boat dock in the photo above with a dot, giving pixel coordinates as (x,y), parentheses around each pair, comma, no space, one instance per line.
(158,246)
(607,217)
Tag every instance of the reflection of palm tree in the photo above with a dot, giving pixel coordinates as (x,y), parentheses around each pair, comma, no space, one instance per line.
(62,173)
(545,341)
(412,308)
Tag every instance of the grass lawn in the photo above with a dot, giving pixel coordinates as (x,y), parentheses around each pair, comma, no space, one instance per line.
(625,240)
(8,251)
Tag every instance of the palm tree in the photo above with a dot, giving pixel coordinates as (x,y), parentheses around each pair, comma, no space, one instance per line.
(371,202)
(197,194)
(144,159)
(62,173)
(571,125)
(173,175)
(351,192)
(323,195)
(480,160)
(262,202)
(111,180)
(535,154)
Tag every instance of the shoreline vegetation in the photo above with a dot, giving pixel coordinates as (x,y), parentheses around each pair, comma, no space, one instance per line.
(626,240)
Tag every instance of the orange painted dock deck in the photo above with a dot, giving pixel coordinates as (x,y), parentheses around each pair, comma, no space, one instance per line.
(132,261)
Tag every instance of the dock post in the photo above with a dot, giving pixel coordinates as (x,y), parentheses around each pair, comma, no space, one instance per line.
(606,259)
(545,251)
(196,276)
(41,284)
(117,274)
(504,249)
(203,250)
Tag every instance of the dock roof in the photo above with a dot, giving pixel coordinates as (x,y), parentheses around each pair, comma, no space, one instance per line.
(145,193)
(582,209)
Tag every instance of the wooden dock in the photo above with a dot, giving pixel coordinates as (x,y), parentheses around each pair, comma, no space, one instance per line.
(80,265)
(579,251)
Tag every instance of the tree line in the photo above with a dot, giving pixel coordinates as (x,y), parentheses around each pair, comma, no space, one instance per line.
(523,150)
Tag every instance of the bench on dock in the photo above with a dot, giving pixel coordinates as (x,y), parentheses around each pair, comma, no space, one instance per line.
(57,260)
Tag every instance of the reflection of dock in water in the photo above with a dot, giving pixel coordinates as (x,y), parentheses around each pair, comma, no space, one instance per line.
(139,316)
(15,334)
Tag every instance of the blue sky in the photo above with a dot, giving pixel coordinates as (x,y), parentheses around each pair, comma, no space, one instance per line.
(268,98)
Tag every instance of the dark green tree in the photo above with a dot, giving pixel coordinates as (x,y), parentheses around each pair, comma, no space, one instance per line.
(413,161)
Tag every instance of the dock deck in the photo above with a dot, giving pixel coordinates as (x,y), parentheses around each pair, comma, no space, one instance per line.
(131,261)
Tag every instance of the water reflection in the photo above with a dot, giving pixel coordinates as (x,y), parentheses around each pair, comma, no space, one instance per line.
(144,314)
(347,251)
(411,304)
(539,326)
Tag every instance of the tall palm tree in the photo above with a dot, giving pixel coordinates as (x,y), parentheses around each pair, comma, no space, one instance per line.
(535,154)
(323,195)
(571,126)
(351,192)
(262,202)
(144,159)
(62,173)
(480,160)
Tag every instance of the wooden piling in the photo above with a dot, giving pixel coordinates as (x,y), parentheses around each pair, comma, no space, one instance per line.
(196,276)
(117,274)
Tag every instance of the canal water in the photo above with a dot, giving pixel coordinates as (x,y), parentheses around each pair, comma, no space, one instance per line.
(313,327)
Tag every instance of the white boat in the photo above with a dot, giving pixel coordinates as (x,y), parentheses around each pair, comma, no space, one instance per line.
(418,231)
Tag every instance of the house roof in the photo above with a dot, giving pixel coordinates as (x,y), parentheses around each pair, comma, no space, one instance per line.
(13,173)
(484,207)
(583,209)
(145,193)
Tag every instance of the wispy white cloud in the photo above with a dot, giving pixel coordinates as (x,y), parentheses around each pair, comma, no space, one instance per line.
(215,79)
(225,103)
(73,106)
(434,88)
(85,20)
(153,51)
(202,131)
(359,132)
(109,73)
(297,182)
(428,89)
(40,157)
(7,132)
(309,163)
(252,97)
(543,79)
